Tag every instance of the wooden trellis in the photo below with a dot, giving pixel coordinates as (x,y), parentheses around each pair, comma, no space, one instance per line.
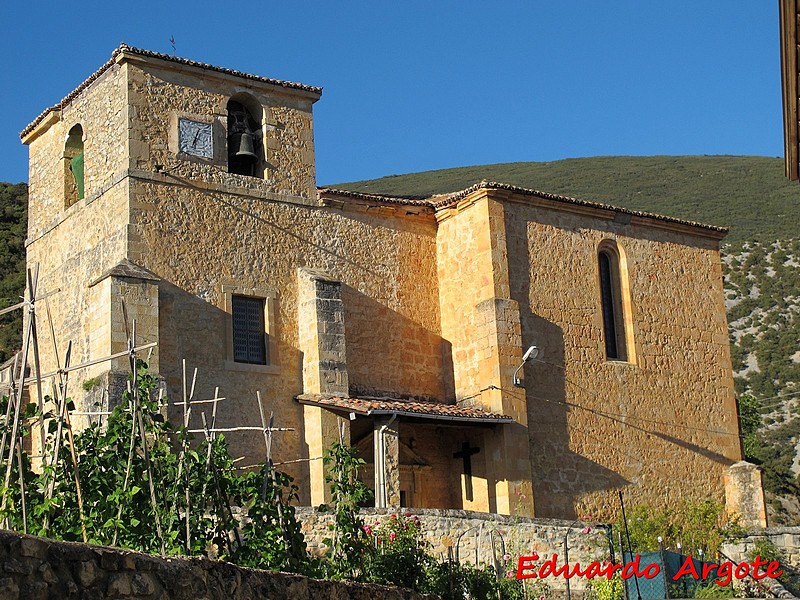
(50,446)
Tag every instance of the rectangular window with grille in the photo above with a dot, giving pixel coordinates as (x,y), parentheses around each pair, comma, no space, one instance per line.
(249,335)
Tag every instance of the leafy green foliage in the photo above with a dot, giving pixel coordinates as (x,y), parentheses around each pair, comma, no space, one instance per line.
(607,589)
(348,492)
(398,555)
(116,470)
(750,422)
(768,551)
(695,525)
(272,536)
(13,225)
(453,581)
(712,590)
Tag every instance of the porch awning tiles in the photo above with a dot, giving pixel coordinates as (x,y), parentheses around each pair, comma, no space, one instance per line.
(373,406)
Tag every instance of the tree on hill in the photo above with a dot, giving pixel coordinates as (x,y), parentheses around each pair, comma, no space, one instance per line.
(13,223)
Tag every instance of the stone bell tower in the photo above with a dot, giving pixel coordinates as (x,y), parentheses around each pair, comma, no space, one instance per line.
(147,136)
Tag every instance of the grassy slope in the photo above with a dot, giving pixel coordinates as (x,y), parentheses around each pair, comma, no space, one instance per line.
(748,193)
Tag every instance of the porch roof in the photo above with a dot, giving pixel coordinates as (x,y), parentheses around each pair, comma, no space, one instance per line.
(373,406)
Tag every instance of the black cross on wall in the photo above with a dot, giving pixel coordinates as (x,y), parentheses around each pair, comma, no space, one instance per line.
(466,453)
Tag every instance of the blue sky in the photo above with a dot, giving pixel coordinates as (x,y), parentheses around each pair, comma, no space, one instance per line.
(414,86)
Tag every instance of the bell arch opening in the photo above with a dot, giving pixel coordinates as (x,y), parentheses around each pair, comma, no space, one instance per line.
(245,136)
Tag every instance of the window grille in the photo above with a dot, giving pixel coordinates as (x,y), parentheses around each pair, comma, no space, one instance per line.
(249,337)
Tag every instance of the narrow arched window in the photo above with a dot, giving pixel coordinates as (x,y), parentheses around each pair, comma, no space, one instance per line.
(611,300)
(245,138)
(73,167)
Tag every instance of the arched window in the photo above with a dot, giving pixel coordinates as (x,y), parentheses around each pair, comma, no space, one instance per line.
(245,138)
(613,287)
(73,167)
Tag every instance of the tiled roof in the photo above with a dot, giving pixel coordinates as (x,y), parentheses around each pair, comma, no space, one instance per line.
(451,199)
(441,201)
(124,48)
(410,408)
(407,200)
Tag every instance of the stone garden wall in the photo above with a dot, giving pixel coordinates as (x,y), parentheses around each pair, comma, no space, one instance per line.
(41,569)
(482,538)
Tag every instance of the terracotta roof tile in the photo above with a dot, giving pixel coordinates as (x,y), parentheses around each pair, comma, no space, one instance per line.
(452,199)
(411,408)
(442,201)
(407,200)
(124,48)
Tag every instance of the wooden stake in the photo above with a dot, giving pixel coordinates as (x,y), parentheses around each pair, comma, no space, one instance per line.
(32,283)
(97,361)
(22,489)
(62,406)
(268,474)
(210,401)
(244,428)
(187,412)
(9,309)
(145,447)
(210,440)
(12,396)
(129,466)
(267,443)
(223,500)
(17,408)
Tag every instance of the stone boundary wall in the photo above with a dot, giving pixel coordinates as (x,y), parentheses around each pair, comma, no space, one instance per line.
(467,531)
(41,569)
(787,539)
(484,535)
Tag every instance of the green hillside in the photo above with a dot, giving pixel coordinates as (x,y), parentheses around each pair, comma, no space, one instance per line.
(13,223)
(747,193)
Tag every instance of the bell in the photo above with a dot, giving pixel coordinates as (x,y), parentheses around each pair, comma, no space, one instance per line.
(244,146)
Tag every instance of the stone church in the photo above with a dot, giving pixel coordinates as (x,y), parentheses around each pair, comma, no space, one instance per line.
(182,196)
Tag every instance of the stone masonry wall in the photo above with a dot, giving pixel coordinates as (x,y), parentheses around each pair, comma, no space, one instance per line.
(101,111)
(160,94)
(479,538)
(38,569)
(197,241)
(664,425)
(787,540)
(74,245)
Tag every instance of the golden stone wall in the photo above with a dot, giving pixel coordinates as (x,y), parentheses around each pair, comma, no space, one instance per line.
(73,246)
(464,268)
(102,112)
(667,424)
(159,95)
(197,242)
